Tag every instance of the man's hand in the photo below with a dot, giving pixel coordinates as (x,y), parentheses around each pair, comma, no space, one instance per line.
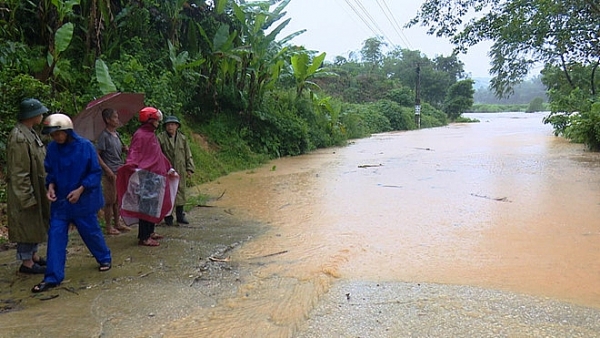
(50,194)
(74,195)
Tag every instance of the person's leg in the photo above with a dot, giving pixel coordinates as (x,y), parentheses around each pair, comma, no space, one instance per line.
(108,192)
(151,228)
(169,220)
(26,253)
(58,237)
(145,230)
(36,257)
(181,215)
(141,230)
(118,225)
(90,233)
(108,217)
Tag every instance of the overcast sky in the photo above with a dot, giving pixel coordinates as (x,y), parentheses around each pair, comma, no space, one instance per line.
(334,27)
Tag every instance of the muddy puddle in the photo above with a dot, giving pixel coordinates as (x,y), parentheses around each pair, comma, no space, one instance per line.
(501,204)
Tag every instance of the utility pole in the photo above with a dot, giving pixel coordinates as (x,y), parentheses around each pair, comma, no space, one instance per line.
(418,98)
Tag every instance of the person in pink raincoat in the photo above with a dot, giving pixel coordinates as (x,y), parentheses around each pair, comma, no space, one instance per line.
(146,183)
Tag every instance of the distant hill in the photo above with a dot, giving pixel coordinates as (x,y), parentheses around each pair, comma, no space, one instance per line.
(481,82)
(523,92)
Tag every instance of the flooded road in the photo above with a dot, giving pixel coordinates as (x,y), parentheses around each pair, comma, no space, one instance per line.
(501,204)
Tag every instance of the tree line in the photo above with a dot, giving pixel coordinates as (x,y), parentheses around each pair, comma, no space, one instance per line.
(222,67)
(561,35)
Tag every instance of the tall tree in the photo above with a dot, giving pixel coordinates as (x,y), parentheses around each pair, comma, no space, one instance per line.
(459,98)
(523,32)
(436,76)
(372,53)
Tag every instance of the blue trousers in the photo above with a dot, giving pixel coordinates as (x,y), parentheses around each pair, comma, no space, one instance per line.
(58,237)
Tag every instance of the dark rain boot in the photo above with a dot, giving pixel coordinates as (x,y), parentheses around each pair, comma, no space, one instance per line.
(169,220)
(181,215)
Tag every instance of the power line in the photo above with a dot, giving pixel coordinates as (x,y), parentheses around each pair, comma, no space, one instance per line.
(351,16)
(367,19)
(393,22)
(368,15)
(360,16)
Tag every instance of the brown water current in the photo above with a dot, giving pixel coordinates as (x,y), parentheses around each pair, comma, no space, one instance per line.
(500,204)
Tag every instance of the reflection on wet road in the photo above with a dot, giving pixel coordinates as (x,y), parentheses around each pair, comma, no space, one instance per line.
(499,204)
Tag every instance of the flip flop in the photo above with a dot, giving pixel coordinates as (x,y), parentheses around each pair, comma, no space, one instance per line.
(123,228)
(104,267)
(43,286)
(148,242)
(154,235)
(113,231)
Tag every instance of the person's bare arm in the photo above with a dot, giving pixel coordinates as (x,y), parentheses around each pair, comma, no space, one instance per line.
(105,168)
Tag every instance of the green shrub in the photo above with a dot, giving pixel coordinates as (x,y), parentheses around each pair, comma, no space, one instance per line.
(536,105)
(432,117)
(360,120)
(233,153)
(462,119)
(585,128)
(278,128)
(402,96)
(401,118)
(563,106)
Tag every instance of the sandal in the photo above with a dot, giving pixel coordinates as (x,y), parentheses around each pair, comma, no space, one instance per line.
(123,228)
(148,242)
(113,231)
(154,235)
(43,286)
(35,269)
(104,267)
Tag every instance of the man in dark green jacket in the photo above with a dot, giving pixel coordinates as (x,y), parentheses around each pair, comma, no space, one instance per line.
(176,148)
(28,208)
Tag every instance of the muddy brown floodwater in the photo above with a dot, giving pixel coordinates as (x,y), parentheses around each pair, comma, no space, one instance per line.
(499,205)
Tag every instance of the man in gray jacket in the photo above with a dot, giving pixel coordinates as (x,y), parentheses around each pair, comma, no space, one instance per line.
(28,208)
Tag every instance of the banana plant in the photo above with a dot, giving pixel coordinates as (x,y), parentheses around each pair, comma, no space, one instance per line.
(304,71)
(173,9)
(103,77)
(222,60)
(60,40)
(261,54)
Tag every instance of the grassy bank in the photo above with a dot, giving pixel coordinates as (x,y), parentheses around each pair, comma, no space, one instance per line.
(500,108)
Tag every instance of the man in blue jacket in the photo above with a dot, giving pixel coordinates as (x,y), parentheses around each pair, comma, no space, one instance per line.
(75,192)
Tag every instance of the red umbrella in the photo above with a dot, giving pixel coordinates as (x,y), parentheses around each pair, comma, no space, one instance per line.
(89,123)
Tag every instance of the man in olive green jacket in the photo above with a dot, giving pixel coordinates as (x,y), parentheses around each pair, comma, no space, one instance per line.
(28,207)
(176,148)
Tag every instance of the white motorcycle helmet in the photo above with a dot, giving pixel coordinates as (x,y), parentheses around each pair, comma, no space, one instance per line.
(56,122)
